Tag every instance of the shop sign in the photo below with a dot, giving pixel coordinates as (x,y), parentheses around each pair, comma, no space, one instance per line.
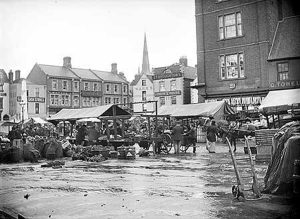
(91,93)
(167,75)
(36,99)
(167,93)
(240,101)
(285,84)
(143,88)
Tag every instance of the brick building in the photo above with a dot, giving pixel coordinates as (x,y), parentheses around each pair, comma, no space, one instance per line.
(4,96)
(68,87)
(234,39)
(172,83)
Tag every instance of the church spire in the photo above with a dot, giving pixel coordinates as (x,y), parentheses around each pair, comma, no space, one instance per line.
(145,65)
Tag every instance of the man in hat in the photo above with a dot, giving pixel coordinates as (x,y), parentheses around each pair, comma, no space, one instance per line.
(177,132)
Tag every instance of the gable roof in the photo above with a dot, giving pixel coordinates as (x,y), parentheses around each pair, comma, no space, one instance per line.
(57,71)
(286,41)
(109,76)
(188,71)
(85,73)
(138,78)
(3,77)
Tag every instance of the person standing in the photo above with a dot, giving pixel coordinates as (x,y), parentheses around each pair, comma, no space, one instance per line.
(177,132)
(211,137)
(193,136)
(232,133)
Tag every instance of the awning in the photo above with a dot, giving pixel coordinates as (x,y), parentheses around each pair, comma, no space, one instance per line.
(92,112)
(215,109)
(278,101)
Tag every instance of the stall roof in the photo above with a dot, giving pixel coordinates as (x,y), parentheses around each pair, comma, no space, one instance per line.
(92,112)
(216,109)
(280,100)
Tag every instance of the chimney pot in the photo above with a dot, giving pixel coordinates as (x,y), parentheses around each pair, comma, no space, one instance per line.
(67,62)
(114,68)
(11,76)
(183,60)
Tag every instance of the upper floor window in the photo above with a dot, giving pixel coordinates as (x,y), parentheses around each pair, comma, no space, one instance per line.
(232,66)
(37,92)
(107,88)
(116,88)
(125,89)
(37,108)
(1,88)
(144,107)
(143,82)
(162,86)
(76,86)
(95,86)
(54,84)
(76,100)
(65,85)
(144,95)
(173,99)
(283,71)
(86,86)
(173,85)
(230,25)
(162,101)
(125,100)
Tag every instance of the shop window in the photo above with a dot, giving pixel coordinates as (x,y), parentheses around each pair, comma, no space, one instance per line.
(144,107)
(232,66)
(37,108)
(162,101)
(283,71)
(230,26)
(143,82)
(143,95)
(173,100)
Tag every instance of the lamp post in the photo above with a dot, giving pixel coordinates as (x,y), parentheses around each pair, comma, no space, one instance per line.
(22,104)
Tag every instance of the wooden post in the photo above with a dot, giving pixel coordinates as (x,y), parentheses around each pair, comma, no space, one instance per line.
(115,121)
(107,129)
(123,131)
(149,126)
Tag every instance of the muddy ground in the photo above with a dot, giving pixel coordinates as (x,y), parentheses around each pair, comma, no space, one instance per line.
(185,186)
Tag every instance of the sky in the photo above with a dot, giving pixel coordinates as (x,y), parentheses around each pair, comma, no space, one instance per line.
(96,33)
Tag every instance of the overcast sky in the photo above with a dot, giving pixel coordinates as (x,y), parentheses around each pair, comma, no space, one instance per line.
(96,33)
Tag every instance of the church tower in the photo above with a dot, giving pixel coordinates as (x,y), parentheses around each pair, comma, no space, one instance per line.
(145,64)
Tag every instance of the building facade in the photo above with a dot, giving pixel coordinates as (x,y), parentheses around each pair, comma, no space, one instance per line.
(172,84)
(142,86)
(234,39)
(68,87)
(4,96)
(36,100)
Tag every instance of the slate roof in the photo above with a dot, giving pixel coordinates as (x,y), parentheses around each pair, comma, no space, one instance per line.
(85,73)
(188,72)
(109,76)
(286,41)
(57,71)
(4,77)
(138,77)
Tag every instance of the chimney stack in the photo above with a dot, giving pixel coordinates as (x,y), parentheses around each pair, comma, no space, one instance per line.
(183,60)
(67,62)
(18,74)
(114,68)
(11,76)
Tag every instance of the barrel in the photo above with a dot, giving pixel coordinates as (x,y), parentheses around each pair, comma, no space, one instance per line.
(130,153)
(121,152)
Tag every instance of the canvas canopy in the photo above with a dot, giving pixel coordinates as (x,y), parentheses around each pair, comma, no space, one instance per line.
(215,109)
(36,120)
(92,112)
(280,100)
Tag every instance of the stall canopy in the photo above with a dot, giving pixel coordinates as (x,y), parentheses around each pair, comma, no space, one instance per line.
(92,112)
(217,109)
(36,120)
(280,101)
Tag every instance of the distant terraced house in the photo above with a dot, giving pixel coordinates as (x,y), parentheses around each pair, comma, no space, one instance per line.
(68,87)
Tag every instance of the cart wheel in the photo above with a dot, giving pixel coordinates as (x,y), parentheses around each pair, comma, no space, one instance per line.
(166,143)
(184,148)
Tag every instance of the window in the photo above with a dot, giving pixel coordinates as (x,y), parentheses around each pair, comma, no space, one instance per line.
(162,86)
(54,99)
(107,100)
(173,100)
(116,88)
(107,88)
(86,86)
(95,86)
(37,108)
(230,26)
(173,85)
(125,101)
(125,89)
(144,107)
(65,85)
(1,103)
(76,100)
(37,92)
(116,100)
(143,95)
(143,82)
(1,88)
(232,66)
(283,71)
(54,84)
(75,86)
(162,101)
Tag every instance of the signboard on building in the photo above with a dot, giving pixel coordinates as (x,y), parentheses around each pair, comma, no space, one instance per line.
(36,99)
(284,84)
(167,75)
(167,93)
(85,93)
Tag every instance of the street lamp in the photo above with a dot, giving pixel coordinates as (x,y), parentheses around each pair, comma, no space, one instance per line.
(22,104)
